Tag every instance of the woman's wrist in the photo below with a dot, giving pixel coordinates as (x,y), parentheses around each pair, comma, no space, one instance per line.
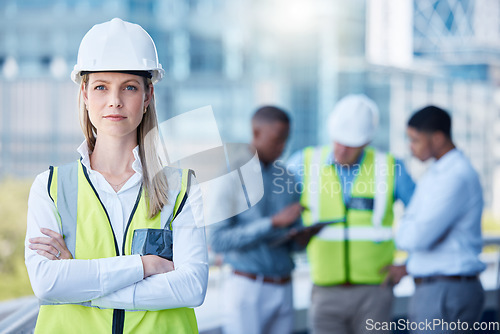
(153,265)
(146,265)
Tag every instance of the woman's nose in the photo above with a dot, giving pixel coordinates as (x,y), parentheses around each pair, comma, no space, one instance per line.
(115,100)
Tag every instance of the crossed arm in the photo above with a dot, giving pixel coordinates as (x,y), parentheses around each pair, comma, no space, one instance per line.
(124,282)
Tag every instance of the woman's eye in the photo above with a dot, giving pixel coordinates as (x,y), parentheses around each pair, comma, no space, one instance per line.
(100,87)
(130,87)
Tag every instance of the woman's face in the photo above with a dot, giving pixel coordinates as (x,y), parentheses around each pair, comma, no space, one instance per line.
(116,103)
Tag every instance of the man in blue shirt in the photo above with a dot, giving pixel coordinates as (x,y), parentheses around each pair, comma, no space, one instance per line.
(353,184)
(258,294)
(441,229)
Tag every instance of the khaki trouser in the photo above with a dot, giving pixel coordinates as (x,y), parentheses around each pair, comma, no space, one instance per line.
(349,309)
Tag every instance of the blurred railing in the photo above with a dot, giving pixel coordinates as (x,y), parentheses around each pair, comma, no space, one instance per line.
(19,315)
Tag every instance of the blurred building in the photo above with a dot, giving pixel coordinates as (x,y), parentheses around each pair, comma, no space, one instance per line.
(449,58)
(238,54)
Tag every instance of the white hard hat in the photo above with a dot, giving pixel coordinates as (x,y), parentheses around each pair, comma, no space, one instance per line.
(117,45)
(353,121)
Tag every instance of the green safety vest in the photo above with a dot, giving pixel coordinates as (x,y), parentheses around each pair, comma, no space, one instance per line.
(88,235)
(360,244)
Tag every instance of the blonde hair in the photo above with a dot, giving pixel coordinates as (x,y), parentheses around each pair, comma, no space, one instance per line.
(154,180)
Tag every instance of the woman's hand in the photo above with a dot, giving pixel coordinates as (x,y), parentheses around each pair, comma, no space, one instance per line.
(156,265)
(52,247)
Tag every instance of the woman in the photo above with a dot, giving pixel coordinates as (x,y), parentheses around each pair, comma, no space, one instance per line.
(88,281)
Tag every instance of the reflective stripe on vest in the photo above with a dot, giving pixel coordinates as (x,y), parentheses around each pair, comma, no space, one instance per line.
(89,235)
(356,233)
(358,248)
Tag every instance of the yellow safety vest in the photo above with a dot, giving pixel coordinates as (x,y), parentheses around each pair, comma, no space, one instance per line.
(355,248)
(89,235)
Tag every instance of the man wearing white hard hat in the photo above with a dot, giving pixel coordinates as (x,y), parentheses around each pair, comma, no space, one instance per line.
(350,188)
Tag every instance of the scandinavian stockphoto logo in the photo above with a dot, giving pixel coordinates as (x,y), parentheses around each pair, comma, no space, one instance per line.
(228,174)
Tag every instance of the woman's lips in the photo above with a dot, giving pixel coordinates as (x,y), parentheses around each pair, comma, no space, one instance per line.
(114,117)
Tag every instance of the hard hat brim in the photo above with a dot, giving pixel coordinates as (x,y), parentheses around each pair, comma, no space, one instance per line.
(155,75)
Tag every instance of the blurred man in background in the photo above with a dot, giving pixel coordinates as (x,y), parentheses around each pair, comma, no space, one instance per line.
(353,187)
(441,229)
(258,294)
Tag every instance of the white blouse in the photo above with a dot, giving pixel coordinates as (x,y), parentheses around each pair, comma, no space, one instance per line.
(118,282)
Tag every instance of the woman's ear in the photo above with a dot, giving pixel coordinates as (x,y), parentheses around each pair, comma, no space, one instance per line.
(149,95)
(84,94)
